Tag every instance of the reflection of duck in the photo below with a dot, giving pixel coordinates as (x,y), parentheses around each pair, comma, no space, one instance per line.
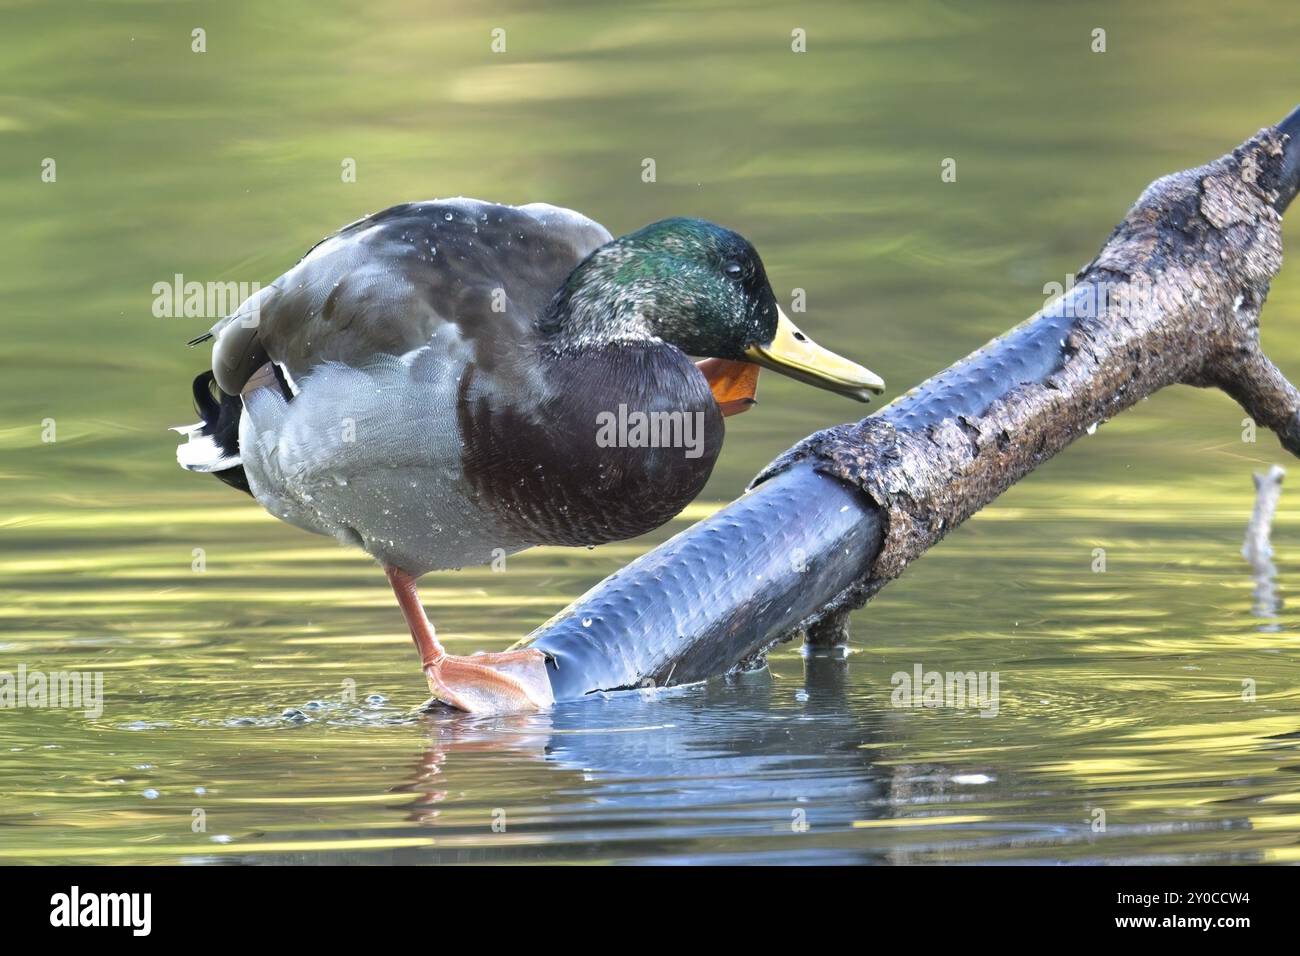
(436,384)
(760,761)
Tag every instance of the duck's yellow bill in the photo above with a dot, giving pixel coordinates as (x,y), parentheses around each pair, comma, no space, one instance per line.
(794,354)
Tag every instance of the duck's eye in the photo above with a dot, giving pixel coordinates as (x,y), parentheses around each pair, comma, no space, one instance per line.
(733,269)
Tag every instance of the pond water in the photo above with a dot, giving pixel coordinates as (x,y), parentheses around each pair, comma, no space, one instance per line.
(259,688)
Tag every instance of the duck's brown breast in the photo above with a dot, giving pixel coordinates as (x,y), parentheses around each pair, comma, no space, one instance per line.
(620,440)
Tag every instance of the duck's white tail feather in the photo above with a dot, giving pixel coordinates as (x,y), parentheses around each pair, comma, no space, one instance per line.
(212,445)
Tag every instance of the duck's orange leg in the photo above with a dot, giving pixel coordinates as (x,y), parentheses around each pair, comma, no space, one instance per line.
(504,683)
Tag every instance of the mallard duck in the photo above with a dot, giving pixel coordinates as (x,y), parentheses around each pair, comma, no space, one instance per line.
(446,383)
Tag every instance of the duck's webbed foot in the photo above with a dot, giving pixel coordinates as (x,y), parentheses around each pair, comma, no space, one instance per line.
(506,683)
(509,682)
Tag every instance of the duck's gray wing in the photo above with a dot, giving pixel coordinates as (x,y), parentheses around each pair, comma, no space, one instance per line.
(386,285)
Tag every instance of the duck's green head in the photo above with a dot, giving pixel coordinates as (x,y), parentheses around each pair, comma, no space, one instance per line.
(701,288)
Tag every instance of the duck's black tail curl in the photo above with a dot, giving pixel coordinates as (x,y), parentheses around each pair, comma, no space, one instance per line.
(213,444)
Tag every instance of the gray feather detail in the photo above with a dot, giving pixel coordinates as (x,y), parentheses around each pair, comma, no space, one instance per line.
(372,456)
(375,329)
(386,285)
(238,351)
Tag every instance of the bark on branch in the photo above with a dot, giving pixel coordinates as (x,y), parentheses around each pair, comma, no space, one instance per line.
(1174,296)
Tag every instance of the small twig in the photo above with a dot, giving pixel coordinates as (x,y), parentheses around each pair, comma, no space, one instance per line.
(1258,549)
(1268,489)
